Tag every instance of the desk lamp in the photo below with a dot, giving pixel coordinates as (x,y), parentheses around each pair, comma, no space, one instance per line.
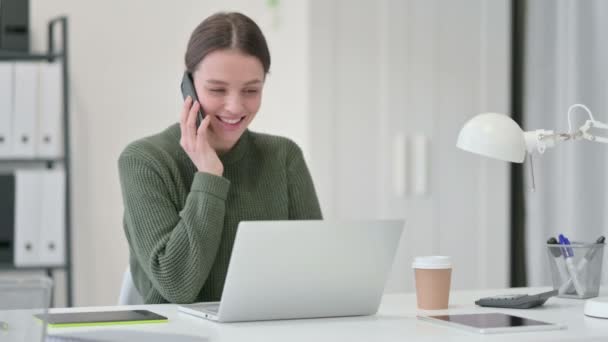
(498,136)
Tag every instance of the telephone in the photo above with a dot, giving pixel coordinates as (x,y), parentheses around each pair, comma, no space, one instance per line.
(188,89)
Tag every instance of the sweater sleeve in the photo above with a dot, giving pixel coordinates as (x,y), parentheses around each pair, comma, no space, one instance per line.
(303,202)
(176,247)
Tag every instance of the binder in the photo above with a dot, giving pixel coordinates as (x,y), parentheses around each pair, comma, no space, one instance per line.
(6,108)
(52,218)
(39,217)
(27,217)
(25,109)
(50,130)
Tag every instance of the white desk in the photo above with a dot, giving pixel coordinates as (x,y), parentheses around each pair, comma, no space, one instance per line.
(395,321)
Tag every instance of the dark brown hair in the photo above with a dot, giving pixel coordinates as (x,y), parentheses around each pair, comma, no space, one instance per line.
(226,31)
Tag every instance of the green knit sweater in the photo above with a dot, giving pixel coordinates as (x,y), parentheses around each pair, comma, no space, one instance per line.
(181,224)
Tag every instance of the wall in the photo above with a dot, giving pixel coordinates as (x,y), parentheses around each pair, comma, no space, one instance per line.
(126,61)
(393,74)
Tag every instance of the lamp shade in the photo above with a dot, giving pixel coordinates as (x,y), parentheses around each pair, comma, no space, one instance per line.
(493,135)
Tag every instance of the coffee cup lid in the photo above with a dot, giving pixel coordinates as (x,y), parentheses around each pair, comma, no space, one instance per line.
(432,262)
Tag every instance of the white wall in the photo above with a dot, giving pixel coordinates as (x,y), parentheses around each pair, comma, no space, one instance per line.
(417,68)
(126,60)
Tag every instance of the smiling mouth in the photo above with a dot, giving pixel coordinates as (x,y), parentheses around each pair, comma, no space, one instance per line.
(231,121)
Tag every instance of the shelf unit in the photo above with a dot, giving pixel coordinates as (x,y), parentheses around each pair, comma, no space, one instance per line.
(53,53)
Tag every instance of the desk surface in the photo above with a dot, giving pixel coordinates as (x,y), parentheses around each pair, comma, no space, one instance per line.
(396,321)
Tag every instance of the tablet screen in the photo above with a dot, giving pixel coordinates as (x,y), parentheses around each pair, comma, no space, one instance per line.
(102,317)
(490,320)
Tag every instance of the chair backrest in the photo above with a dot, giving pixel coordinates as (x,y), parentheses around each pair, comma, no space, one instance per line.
(128,292)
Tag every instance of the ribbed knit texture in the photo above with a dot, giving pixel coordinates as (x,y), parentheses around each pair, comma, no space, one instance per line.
(181,224)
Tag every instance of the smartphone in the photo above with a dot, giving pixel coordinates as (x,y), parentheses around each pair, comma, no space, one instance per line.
(189,90)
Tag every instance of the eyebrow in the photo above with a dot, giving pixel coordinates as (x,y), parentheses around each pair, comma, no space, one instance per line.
(218,82)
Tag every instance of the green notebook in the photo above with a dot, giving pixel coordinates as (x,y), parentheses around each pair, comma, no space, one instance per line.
(98,318)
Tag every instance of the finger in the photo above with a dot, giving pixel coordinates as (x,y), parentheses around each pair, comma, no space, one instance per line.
(185,109)
(184,115)
(191,123)
(202,129)
(201,133)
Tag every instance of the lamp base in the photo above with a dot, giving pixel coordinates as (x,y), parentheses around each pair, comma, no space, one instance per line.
(597,307)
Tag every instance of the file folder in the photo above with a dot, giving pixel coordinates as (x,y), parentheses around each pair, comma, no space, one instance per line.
(52,218)
(39,217)
(6,108)
(25,109)
(27,217)
(50,132)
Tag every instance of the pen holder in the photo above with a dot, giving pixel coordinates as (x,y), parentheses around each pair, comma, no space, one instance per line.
(576,269)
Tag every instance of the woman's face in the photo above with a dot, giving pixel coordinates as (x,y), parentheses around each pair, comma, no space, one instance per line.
(229,86)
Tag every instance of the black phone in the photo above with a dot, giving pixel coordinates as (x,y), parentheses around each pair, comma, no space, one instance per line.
(188,89)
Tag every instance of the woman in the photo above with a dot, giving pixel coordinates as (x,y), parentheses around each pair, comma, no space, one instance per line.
(186,189)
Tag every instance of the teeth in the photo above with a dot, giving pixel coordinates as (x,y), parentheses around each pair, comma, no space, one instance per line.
(232,122)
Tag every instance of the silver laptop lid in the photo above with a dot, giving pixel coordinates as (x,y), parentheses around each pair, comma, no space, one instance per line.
(304,269)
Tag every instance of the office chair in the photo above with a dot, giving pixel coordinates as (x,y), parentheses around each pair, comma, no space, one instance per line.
(128,292)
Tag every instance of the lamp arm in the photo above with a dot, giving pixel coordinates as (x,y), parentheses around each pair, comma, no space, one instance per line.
(540,139)
(583,131)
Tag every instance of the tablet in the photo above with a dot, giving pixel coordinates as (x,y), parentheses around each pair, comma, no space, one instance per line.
(491,323)
(95,318)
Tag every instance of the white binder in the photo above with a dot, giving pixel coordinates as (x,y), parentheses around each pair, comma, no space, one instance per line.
(25,109)
(50,133)
(52,215)
(27,217)
(6,108)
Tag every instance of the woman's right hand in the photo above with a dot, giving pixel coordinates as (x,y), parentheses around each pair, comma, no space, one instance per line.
(195,141)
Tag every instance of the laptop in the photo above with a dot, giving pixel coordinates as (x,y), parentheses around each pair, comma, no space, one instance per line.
(304,269)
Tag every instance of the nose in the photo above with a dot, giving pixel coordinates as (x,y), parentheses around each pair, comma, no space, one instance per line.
(234,104)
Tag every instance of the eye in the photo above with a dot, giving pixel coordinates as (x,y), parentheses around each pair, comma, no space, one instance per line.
(217,90)
(251,91)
